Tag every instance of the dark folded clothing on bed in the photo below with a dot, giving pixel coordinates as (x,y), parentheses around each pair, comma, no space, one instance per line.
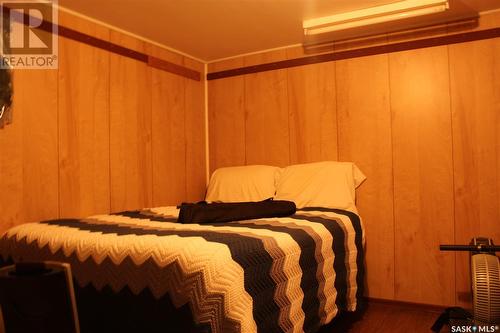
(235,211)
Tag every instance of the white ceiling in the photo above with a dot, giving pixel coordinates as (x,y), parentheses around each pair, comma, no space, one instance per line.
(214,29)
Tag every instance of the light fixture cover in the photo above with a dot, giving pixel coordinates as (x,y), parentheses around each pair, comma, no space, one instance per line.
(373,15)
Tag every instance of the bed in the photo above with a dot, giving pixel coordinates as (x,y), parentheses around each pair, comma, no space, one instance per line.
(287,274)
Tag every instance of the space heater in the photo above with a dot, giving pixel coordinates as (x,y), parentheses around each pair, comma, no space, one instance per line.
(485,279)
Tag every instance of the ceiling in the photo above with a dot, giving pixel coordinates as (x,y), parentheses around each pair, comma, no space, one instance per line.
(214,29)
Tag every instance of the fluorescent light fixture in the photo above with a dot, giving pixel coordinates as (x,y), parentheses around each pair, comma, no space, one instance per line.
(373,15)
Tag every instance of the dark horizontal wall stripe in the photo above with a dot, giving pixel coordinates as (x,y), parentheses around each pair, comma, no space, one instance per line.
(173,68)
(118,49)
(101,44)
(362,52)
(126,52)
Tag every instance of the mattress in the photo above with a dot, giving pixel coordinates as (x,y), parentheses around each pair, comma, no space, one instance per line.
(289,274)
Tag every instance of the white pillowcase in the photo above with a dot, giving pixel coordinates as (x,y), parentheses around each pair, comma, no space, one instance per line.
(243,183)
(322,184)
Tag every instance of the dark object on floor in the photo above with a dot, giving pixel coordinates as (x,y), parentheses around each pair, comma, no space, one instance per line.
(38,298)
(104,311)
(235,211)
(455,315)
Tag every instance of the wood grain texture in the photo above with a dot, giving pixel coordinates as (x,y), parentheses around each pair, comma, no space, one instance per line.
(226,120)
(423,175)
(384,317)
(173,68)
(414,44)
(168,135)
(264,57)
(80,143)
(267,134)
(227,123)
(419,133)
(130,129)
(83,123)
(312,113)
(364,130)
(11,163)
(196,182)
(225,64)
(37,102)
(475,97)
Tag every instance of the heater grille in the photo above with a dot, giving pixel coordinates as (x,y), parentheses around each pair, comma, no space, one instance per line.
(486,287)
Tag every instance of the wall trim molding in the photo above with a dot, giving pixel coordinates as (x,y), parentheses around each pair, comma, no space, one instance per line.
(126,32)
(149,60)
(361,52)
(408,305)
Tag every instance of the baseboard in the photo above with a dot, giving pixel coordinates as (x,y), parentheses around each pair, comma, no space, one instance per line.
(407,305)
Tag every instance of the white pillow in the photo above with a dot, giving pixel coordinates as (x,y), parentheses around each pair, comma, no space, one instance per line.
(243,183)
(322,184)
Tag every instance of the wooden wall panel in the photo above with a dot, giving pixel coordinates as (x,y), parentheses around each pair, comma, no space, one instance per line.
(130,129)
(266,111)
(38,104)
(475,96)
(312,113)
(11,164)
(168,134)
(81,140)
(423,175)
(83,123)
(256,59)
(227,122)
(196,158)
(364,130)
(226,117)
(430,149)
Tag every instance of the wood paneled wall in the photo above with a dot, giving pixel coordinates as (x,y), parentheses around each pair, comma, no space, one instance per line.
(106,133)
(102,133)
(423,125)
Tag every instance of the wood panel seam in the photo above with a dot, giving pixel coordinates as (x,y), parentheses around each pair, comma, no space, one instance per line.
(289,116)
(109,128)
(337,111)
(185,138)
(393,179)
(452,170)
(245,116)
(58,151)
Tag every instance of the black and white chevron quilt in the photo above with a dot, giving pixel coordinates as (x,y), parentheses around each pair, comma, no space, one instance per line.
(268,275)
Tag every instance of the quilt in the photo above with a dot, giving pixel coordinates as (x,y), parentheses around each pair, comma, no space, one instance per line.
(287,274)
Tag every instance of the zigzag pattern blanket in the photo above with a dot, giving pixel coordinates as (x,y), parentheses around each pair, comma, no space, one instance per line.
(267,275)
